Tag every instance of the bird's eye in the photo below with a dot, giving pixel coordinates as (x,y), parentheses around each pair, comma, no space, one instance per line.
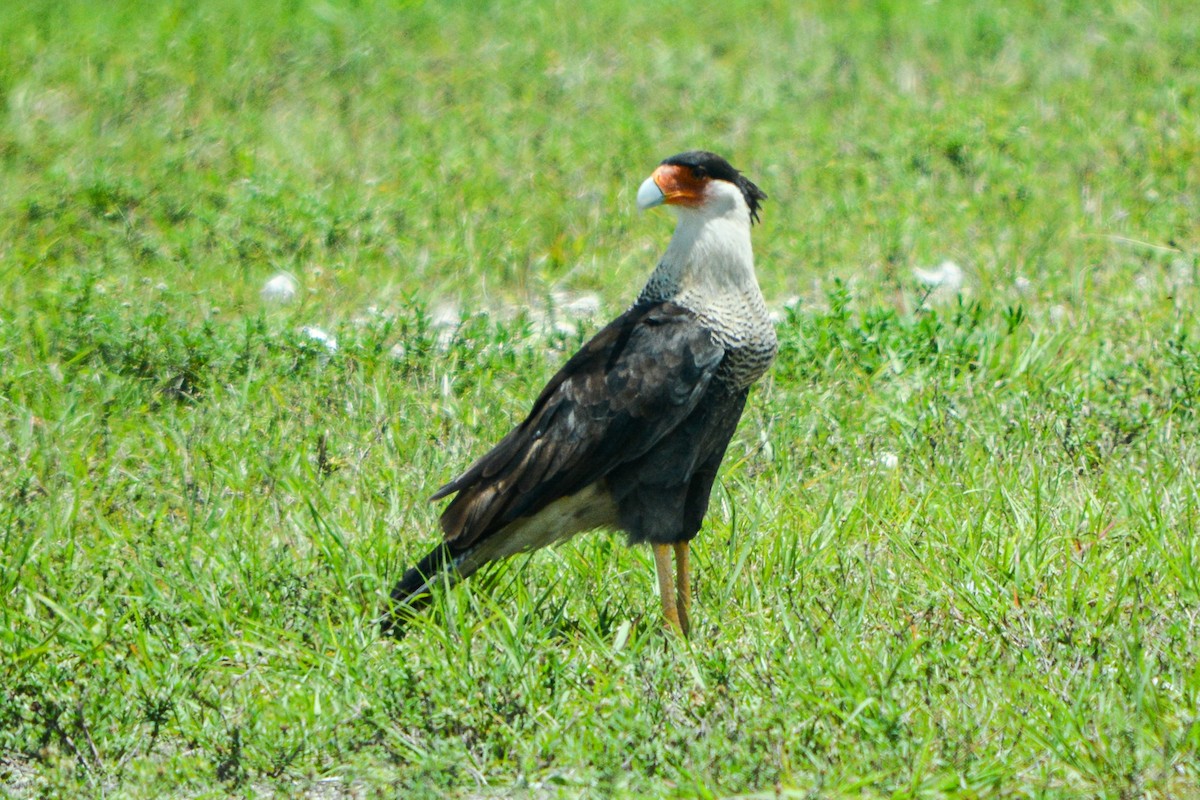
(699,173)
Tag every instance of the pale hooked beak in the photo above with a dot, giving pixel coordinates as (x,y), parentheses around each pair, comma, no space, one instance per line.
(649,195)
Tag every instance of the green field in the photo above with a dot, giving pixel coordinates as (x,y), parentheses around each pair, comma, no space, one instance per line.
(952,549)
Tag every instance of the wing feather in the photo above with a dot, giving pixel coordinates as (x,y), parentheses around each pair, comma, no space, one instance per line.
(628,387)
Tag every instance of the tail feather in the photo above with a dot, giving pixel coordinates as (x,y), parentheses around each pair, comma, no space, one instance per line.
(413,591)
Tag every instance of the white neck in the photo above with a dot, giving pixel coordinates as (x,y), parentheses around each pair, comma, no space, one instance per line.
(710,257)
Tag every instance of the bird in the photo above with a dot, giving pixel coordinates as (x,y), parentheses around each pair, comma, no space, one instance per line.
(628,435)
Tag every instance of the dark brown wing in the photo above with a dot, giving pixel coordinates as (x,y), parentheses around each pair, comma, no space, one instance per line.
(632,384)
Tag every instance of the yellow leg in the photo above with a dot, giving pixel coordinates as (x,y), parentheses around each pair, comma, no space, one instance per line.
(683,586)
(666,586)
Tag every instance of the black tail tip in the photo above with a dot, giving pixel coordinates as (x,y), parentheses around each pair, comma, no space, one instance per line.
(411,593)
(400,609)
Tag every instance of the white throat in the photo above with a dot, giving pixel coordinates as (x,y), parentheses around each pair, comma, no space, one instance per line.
(709,269)
(710,259)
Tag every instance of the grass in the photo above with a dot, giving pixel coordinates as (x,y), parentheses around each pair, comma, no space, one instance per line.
(951,550)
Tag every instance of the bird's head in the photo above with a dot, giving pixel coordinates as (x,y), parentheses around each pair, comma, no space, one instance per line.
(702,181)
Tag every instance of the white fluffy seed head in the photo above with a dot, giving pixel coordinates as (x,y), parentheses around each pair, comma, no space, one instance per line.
(321,337)
(280,289)
(947,277)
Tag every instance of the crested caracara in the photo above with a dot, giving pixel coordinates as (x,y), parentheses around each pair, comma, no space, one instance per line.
(630,432)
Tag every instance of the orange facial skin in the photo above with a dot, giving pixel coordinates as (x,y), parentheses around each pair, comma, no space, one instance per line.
(680,186)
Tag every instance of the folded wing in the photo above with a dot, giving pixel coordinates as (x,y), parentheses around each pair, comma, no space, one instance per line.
(626,389)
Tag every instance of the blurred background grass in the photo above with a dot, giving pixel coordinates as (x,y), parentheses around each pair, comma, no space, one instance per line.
(479,150)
